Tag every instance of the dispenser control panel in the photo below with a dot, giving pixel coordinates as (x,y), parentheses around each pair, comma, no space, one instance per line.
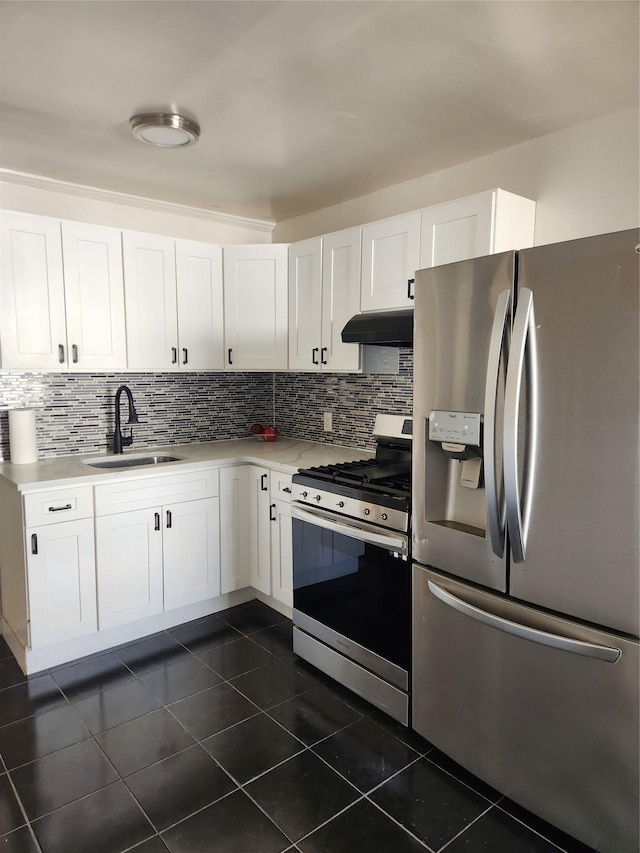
(455,427)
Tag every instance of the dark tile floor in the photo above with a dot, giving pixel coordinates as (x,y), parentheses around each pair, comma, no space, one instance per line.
(214,736)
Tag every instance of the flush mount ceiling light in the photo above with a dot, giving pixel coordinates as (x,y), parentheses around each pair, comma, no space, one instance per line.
(167,130)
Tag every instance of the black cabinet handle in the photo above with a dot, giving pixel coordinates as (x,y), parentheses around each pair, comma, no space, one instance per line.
(263,482)
(61,353)
(313,355)
(229,355)
(156,516)
(272,512)
(184,355)
(174,355)
(34,543)
(168,518)
(322,352)
(74,353)
(286,489)
(60,508)
(410,295)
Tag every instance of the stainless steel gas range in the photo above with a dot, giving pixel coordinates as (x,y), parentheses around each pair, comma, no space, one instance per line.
(351,569)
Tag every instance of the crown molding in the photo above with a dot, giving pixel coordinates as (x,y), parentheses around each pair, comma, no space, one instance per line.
(39,182)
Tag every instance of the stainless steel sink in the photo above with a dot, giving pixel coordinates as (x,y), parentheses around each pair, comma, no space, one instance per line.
(130,461)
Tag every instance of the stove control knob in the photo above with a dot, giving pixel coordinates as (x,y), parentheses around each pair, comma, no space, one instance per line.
(384,516)
(367,512)
(340,503)
(317,498)
(304,494)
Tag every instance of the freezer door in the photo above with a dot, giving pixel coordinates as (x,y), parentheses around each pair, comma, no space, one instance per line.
(581,554)
(462,317)
(541,708)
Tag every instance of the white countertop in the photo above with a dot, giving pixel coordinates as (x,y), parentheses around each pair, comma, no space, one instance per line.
(285,454)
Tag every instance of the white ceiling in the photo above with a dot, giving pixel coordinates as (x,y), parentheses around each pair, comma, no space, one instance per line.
(302,104)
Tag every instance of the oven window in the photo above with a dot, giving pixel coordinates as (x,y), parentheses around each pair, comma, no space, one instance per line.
(360,590)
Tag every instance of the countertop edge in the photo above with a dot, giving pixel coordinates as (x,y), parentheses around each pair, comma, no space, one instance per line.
(285,455)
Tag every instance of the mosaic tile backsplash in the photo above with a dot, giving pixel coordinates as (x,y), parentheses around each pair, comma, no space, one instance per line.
(75,412)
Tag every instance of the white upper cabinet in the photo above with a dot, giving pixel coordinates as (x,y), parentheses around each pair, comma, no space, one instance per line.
(61,300)
(340,298)
(255,307)
(324,293)
(150,299)
(200,311)
(480,224)
(305,304)
(390,257)
(94,292)
(173,292)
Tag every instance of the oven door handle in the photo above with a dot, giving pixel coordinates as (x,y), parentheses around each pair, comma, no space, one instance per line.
(365,533)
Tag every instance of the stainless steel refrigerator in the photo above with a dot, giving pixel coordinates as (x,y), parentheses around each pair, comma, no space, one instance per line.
(526,579)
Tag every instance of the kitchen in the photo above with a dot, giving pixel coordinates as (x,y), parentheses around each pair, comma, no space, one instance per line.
(583,178)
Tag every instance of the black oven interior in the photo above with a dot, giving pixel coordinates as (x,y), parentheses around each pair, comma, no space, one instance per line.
(358,589)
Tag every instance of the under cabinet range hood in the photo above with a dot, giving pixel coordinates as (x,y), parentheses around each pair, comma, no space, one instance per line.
(384,328)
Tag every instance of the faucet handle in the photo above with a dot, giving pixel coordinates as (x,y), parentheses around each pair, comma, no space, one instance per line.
(127,440)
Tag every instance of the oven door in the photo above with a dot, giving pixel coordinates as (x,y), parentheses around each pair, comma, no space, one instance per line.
(352,589)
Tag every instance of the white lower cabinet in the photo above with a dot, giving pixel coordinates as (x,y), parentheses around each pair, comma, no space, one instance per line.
(154,555)
(157,559)
(129,556)
(270,527)
(191,559)
(61,576)
(235,543)
(281,552)
(260,529)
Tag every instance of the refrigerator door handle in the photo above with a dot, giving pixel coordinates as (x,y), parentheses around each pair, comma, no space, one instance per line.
(495,501)
(535,635)
(523,344)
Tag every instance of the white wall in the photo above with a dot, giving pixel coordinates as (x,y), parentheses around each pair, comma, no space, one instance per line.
(84,204)
(585,181)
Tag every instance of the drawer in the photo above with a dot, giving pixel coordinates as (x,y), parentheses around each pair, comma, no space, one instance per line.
(58,505)
(148,492)
(280,486)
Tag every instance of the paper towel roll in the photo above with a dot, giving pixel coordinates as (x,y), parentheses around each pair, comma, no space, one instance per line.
(23,447)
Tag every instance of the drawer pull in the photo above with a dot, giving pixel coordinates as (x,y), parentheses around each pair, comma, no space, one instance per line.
(60,508)
(34,543)
(286,489)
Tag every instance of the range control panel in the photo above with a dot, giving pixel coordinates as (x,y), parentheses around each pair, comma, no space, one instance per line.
(455,427)
(394,519)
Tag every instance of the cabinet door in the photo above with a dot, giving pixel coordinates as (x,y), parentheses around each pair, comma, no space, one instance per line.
(62,581)
(191,555)
(457,230)
(340,298)
(255,307)
(305,305)
(390,257)
(200,311)
(94,297)
(235,542)
(33,331)
(129,560)
(260,529)
(150,301)
(281,552)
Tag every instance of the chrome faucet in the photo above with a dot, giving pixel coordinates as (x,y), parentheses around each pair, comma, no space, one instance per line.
(118,440)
